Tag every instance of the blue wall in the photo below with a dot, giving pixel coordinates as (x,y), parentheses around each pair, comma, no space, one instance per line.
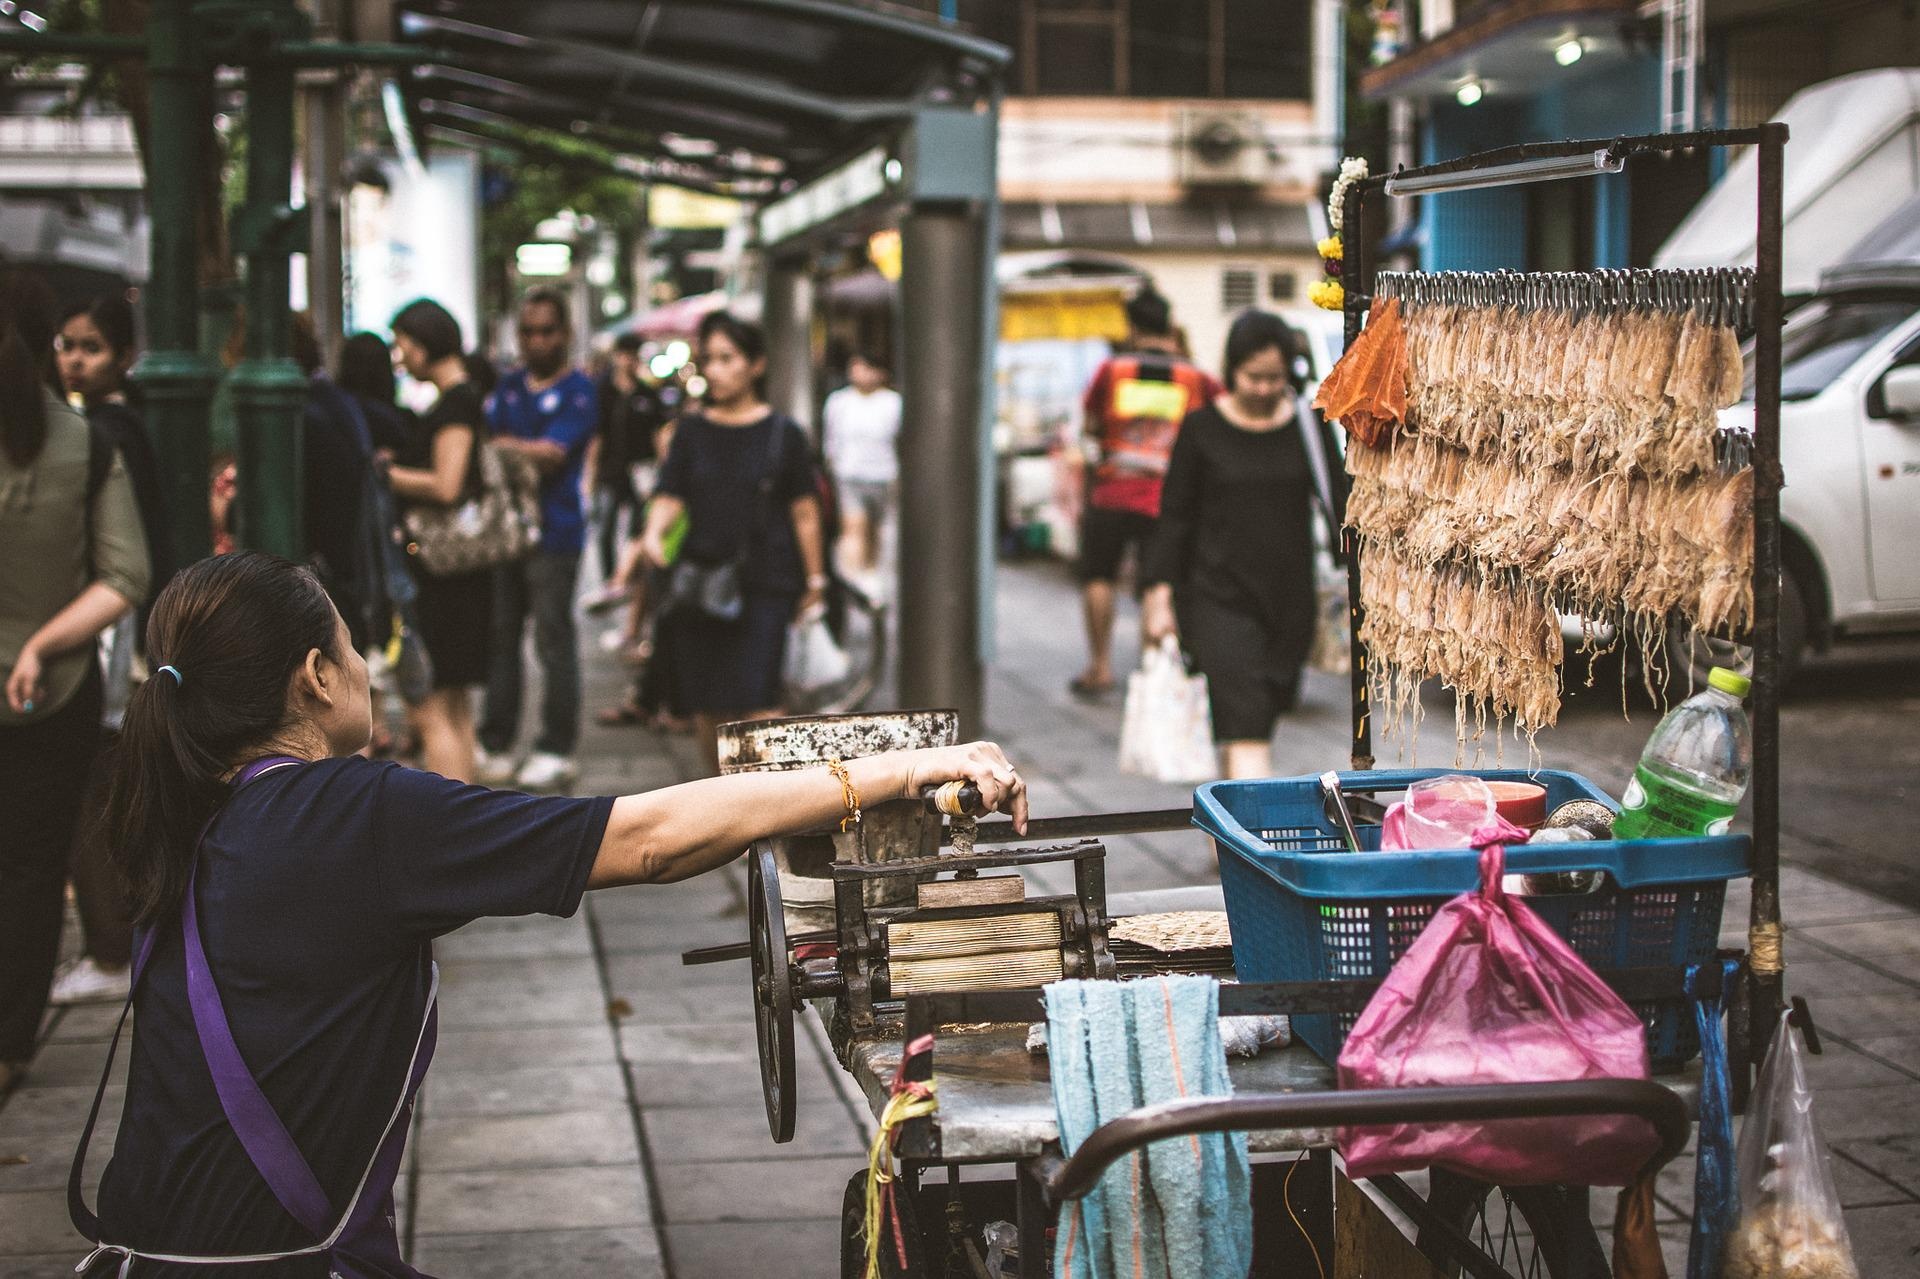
(1487,230)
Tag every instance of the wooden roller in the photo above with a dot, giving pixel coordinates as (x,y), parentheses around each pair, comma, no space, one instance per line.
(951,938)
(1003,970)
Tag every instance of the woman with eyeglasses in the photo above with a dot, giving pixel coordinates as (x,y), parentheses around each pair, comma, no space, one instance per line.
(1230,567)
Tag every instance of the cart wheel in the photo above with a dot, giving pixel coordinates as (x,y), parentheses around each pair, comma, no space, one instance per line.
(1534,1232)
(853,1234)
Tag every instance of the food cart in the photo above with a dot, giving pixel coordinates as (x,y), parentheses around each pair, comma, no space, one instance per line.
(956,1012)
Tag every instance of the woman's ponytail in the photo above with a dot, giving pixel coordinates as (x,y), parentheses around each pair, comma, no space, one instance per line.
(230,632)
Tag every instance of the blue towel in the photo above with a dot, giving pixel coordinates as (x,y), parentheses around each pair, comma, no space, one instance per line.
(1178,1209)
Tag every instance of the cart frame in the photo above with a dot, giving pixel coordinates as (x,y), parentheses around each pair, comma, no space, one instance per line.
(1766,966)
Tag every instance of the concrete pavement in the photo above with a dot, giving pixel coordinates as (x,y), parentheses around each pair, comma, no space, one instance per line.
(595,1107)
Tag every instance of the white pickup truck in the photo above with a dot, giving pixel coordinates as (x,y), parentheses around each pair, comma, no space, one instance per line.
(1850,451)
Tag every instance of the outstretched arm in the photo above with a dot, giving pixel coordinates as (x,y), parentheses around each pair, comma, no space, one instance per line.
(686,830)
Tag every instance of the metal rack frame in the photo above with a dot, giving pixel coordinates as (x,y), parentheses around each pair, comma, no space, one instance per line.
(1765,966)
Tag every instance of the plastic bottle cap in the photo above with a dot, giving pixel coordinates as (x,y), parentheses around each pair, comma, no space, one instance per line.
(1729,681)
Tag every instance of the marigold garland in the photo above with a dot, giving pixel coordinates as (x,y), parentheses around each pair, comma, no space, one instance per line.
(1328,293)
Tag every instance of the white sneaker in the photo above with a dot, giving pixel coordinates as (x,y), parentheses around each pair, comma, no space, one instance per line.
(490,769)
(545,771)
(89,983)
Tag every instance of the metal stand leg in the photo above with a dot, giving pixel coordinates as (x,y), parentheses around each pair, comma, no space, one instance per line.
(1036,1259)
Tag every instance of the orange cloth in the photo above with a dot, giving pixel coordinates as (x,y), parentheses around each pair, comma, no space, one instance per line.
(1366,392)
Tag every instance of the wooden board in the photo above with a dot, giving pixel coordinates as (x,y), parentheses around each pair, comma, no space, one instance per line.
(988,890)
(1366,1243)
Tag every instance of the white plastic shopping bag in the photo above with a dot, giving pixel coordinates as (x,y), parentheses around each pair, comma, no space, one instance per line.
(1167,730)
(814,660)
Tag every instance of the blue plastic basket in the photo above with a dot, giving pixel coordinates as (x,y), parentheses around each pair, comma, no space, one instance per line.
(1304,908)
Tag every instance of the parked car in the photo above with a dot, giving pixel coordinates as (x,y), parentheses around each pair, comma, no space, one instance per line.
(1850,453)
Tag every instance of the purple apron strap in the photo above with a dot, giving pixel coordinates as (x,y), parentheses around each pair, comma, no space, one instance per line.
(366,1234)
(254,1121)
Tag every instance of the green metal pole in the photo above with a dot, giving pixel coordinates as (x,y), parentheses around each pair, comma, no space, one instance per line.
(177,380)
(269,389)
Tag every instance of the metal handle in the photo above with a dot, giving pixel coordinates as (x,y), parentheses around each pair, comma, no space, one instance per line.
(953,799)
(1073,1177)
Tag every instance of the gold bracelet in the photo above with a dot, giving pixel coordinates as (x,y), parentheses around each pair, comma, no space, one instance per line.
(848,794)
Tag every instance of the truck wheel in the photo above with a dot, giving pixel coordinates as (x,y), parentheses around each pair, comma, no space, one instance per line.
(1691,656)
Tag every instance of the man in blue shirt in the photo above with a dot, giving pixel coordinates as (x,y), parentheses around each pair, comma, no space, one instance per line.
(545,409)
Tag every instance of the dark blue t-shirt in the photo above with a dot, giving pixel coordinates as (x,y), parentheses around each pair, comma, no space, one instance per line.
(320,887)
(718,471)
(566,414)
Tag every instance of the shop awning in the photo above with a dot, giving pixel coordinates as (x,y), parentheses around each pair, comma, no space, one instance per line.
(743,97)
(1206,226)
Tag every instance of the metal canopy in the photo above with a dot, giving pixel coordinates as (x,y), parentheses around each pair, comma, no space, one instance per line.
(747,97)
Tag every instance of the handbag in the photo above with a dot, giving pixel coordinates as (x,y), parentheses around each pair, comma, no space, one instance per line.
(717,591)
(499,521)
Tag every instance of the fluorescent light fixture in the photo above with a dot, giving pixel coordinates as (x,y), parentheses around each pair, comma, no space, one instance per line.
(1584,165)
(32,21)
(1469,93)
(543,259)
(1568,52)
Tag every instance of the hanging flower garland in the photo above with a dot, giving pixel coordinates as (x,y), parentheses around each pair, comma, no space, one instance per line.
(1328,293)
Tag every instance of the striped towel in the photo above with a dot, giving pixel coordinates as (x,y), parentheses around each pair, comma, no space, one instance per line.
(1179,1208)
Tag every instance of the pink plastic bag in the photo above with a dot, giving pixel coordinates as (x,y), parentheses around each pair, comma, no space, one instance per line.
(1489,994)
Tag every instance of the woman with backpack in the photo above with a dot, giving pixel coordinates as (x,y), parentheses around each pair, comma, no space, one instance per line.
(75,563)
(441,468)
(753,558)
(95,351)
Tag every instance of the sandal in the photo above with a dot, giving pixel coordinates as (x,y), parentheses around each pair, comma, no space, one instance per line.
(1089,690)
(625,715)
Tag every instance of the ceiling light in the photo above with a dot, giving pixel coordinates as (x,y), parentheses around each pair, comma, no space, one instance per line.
(1586,164)
(1469,93)
(1569,52)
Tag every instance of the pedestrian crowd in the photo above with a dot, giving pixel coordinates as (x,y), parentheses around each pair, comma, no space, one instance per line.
(447,515)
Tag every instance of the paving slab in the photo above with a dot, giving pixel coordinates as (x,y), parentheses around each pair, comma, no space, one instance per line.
(559,991)
(699,1134)
(731,1250)
(1895,1159)
(456,1094)
(685,1084)
(35,1221)
(632,1253)
(769,1190)
(516,1047)
(465,1203)
(573,1138)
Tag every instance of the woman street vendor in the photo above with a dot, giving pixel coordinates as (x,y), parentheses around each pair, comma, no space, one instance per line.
(288,893)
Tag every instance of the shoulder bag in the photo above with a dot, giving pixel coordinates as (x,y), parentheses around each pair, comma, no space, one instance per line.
(716,590)
(498,521)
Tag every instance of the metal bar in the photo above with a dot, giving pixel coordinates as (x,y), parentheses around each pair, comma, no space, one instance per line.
(1357,283)
(958,861)
(1636,144)
(1642,1098)
(1766,962)
(1032,1214)
(1242,999)
(1471,1258)
(176,378)
(1092,826)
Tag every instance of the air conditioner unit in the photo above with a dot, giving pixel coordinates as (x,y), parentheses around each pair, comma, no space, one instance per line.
(1221,148)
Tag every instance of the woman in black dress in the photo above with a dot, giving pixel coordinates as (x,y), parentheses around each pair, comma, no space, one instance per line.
(742,474)
(440,468)
(1230,569)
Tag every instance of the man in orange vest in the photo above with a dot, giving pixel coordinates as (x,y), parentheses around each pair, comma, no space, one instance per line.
(1134,406)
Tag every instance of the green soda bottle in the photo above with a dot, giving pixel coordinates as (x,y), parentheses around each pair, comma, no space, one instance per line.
(1695,767)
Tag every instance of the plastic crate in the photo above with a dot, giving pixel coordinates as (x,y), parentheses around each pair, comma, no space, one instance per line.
(1304,908)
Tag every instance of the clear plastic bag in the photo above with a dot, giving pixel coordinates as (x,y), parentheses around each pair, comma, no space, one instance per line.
(1439,812)
(1490,994)
(1167,730)
(1790,1222)
(814,659)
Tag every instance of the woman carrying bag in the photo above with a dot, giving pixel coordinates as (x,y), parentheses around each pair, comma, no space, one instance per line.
(753,559)
(1230,568)
(440,469)
(289,892)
